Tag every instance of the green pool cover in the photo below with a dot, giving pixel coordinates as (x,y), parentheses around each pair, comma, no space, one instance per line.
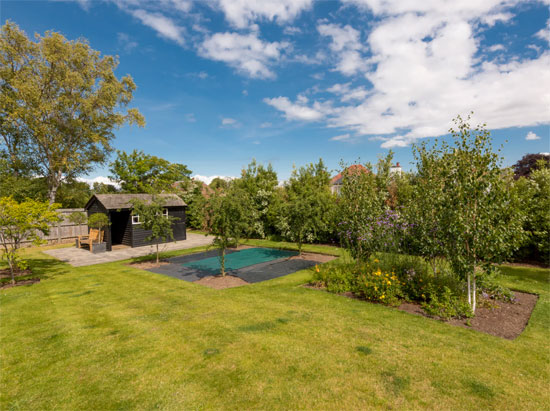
(240,259)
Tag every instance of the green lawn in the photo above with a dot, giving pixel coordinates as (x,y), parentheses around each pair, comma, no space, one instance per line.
(114,337)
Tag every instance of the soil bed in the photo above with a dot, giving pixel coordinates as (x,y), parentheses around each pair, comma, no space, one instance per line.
(218,282)
(145,265)
(506,320)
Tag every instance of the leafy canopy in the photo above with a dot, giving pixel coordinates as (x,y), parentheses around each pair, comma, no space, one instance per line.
(153,219)
(229,213)
(20,221)
(138,172)
(60,102)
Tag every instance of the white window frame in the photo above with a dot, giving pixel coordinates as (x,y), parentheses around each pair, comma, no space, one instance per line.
(135,219)
(165,212)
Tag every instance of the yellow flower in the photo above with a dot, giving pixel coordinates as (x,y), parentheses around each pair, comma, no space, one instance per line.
(376,260)
(382,296)
(423,296)
(317,268)
(389,282)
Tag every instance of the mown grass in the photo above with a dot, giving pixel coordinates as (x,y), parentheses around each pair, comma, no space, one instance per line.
(115,337)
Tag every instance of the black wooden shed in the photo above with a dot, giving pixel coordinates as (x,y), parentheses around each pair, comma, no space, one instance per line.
(125,227)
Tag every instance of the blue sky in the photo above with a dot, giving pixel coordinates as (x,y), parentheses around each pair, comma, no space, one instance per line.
(288,82)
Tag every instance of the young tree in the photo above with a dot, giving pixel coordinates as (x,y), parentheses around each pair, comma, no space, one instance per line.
(60,103)
(78,218)
(153,218)
(138,172)
(219,183)
(260,183)
(308,212)
(23,221)
(230,219)
(360,204)
(479,223)
(99,221)
(427,205)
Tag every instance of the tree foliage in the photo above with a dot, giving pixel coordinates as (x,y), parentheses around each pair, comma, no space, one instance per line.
(477,219)
(23,221)
(260,184)
(60,102)
(230,212)
(529,163)
(152,218)
(138,172)
(308,211)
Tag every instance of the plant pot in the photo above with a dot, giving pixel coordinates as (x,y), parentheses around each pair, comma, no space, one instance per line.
(99,248)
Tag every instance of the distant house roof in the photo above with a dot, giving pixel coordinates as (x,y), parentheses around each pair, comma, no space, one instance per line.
(121,201)
(354,168)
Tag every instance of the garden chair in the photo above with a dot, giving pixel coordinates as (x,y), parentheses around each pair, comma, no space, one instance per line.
(94,236)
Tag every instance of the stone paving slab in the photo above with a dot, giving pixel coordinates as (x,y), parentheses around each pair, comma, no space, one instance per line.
(81,257)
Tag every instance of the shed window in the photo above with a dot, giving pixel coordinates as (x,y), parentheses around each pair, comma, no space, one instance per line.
(165,212)
(135,219)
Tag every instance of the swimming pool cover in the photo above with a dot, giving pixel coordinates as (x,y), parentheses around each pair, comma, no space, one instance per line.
(240,259)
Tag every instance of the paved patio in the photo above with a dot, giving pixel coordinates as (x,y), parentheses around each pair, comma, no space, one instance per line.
(80,257)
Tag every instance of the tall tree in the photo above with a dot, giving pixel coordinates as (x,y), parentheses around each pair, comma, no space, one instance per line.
(529,163)
(480,222)
(260,183)
(308,212)
(138,172)
(60,104)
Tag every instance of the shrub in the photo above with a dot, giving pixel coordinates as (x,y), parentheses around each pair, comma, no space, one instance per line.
(378,286)
(339,278)
(491,289)
(446,305)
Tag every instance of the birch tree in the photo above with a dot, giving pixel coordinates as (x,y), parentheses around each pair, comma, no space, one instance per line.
(479,221)
(60,103)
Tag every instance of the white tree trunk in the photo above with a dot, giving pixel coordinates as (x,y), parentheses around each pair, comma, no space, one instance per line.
(469,294)
(474,296)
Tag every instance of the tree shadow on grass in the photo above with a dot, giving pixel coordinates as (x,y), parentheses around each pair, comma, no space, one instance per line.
(44,268)
(539,275)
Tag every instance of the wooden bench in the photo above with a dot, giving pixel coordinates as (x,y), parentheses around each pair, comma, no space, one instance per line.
(95,236)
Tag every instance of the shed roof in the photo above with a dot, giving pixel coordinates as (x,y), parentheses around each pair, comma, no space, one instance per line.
(121,201)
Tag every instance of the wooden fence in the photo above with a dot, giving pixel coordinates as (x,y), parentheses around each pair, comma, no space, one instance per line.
(64,231)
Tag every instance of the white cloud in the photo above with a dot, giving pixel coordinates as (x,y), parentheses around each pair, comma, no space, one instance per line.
(190,118)
(347,93)
(496,47)
(228,122)
(346,46)
(425,69)
(296,111)
(242,13)
(99,179)
(126,43)
(244,92)
(291,31)
(341,137)
(267,124)
(544,34)
(163,25)
(208,179)
(246,53)
(531,136)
